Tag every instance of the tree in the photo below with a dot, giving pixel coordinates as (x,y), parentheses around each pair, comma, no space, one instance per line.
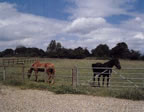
(101,50)
(1,54)
(142,57)
(8,52)
(55,49)
(52,46)
(134,55)
(120,51)
(79,53)
(86,52)
(20,51)
(58,46)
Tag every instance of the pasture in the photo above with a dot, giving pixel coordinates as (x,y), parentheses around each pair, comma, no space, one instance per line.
(125,83)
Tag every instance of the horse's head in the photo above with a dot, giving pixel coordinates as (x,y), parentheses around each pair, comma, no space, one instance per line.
(116,63)
(29,73)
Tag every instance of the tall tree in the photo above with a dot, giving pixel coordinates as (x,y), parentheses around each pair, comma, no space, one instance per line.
(121,51)
(8,52)
(20,51)
(52,46)
(79,53)
(101,50)
(134,55)
(54,49)
(86,52)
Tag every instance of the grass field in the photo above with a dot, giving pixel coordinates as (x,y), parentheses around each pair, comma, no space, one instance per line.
(120,88)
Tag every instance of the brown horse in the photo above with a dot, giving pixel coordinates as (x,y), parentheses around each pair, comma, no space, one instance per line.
(48,68)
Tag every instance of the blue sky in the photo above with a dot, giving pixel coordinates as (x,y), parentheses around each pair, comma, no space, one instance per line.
(86,23)
(46,8)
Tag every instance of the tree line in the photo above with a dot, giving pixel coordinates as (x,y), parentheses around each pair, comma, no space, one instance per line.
(56,50)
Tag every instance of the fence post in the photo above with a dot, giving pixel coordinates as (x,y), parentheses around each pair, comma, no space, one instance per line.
(74,76)
(4,73)
(23,72)
(3,61)
(8,62)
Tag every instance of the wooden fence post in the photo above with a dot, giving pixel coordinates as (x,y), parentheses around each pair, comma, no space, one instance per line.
(23,72)
(3,61)
(4,73)
(74,76)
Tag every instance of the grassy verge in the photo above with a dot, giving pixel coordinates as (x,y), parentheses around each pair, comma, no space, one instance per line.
(132,94)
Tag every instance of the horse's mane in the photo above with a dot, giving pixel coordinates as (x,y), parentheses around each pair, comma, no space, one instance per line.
(36,62)
(106,64)
(97,65)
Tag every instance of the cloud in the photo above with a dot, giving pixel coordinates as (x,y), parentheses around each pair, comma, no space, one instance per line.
(93,31)
(85,25)
(26,29)
(139,35)
(99,8)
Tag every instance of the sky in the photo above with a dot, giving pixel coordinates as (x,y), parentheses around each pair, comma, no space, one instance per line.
(73,23)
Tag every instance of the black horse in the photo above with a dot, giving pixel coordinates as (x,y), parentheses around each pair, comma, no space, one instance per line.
(105,70)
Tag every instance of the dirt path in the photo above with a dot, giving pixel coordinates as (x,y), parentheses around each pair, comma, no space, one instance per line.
(17,100)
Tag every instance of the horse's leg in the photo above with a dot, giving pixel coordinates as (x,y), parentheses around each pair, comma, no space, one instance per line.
(52,79)
(49,77)
(94,77)
(93,83)
(46,76)
(36,76)
(99,80)
(103,80)
(53,76)
(107,80)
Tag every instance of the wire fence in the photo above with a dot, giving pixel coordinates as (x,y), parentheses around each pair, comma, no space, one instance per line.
(124,78)
(78,76)
(19,72)
(14,61)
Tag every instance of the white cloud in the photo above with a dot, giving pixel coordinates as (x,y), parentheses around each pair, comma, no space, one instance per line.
(85,25)
(93,31)
(26,29)
(139,35)
(99,8)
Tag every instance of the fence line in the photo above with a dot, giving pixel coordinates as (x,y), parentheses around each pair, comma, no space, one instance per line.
(77,75)
(121,77)
(127,79)
(110,68)
(13,61)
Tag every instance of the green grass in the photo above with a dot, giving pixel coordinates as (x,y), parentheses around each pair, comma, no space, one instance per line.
(63,80)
